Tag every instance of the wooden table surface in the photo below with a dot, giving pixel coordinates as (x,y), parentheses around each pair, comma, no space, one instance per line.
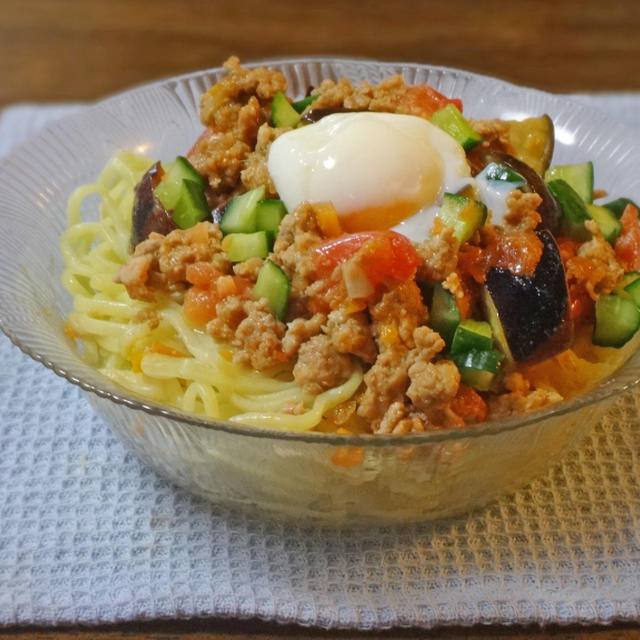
(61,50)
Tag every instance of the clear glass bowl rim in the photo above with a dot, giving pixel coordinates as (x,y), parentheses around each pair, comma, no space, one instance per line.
(604,391)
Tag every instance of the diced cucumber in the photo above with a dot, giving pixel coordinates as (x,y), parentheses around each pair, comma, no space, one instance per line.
(168,190)
(628,278)
(633,290)
(617,319)
(242,246)
(618,206)
(301,105)
(444,315)
(463,214)
(273,285)
(578,176)
(502,173)
(574,210)
(478,367)
(282,113)
(451,121)
(472,334)
(610,227)
(270,214)
(241,213)
(192,206)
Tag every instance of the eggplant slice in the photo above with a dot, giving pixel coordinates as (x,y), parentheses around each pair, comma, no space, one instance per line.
(549,209)
(149,215)
(531,313)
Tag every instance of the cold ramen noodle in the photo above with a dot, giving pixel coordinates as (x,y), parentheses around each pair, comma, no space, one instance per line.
(363,259)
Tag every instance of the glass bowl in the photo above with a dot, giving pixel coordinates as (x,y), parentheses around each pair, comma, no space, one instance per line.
(319,477)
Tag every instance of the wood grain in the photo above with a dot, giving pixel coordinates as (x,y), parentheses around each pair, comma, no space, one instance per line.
(76,50)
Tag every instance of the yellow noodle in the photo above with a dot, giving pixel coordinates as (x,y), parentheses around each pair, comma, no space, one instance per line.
(114,338)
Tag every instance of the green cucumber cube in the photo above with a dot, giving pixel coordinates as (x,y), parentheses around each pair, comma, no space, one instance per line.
(451,121)
(502,173)
(618,206)
(478,367)
(242,246)
(240,216)
(191,206)
(270,214)
(633,290)
(617,320)
(283,114)
(273,285)
(578,176)
(444,315)
(301,105)
(168,189)
(609,225)
(574,210)
(465,215)
(472,334)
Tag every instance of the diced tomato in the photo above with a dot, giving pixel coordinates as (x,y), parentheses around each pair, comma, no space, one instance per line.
(627,245)
(469,405)
(582,307)
(422,100)
(200,304)
(380,255)
(519,252)
(568,248)
(474,262)
(202,274)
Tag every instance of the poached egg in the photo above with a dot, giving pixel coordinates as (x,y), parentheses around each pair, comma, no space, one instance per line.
(379,170)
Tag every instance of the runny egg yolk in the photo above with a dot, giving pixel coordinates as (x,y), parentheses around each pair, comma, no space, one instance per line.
(379,170)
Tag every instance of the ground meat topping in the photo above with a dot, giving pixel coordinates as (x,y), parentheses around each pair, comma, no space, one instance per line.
(433,385)
(522,211)
(300,330)
(249,268)
(298,235)
(249,326)
(595,264)
(234,110)
(159,264)
(351,333)
(520,398)
(397,314)
(255,172)
(385,383)
(320,367)
(440,254)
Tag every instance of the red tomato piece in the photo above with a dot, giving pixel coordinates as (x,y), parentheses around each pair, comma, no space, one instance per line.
(200,305)
(469,405)
(380,255)
(202,274)
(423,100)
(627,245)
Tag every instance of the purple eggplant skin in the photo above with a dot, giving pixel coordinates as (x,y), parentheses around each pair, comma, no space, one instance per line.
(549,210)
(149,214)
(314,115)
(534,311)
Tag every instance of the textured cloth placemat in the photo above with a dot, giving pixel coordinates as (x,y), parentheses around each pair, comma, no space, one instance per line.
(88,534)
